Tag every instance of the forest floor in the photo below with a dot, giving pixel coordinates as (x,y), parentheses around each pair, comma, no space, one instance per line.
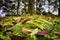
(9,22)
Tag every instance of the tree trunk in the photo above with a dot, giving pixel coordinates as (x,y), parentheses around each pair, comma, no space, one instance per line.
(31,8)
(59,9)
(18,1)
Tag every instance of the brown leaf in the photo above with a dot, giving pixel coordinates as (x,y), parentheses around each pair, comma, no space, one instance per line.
(25,30)
(14,37)
(44,32)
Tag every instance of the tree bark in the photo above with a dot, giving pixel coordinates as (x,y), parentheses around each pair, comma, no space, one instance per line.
(18,1)
(31,8)
(59,9)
